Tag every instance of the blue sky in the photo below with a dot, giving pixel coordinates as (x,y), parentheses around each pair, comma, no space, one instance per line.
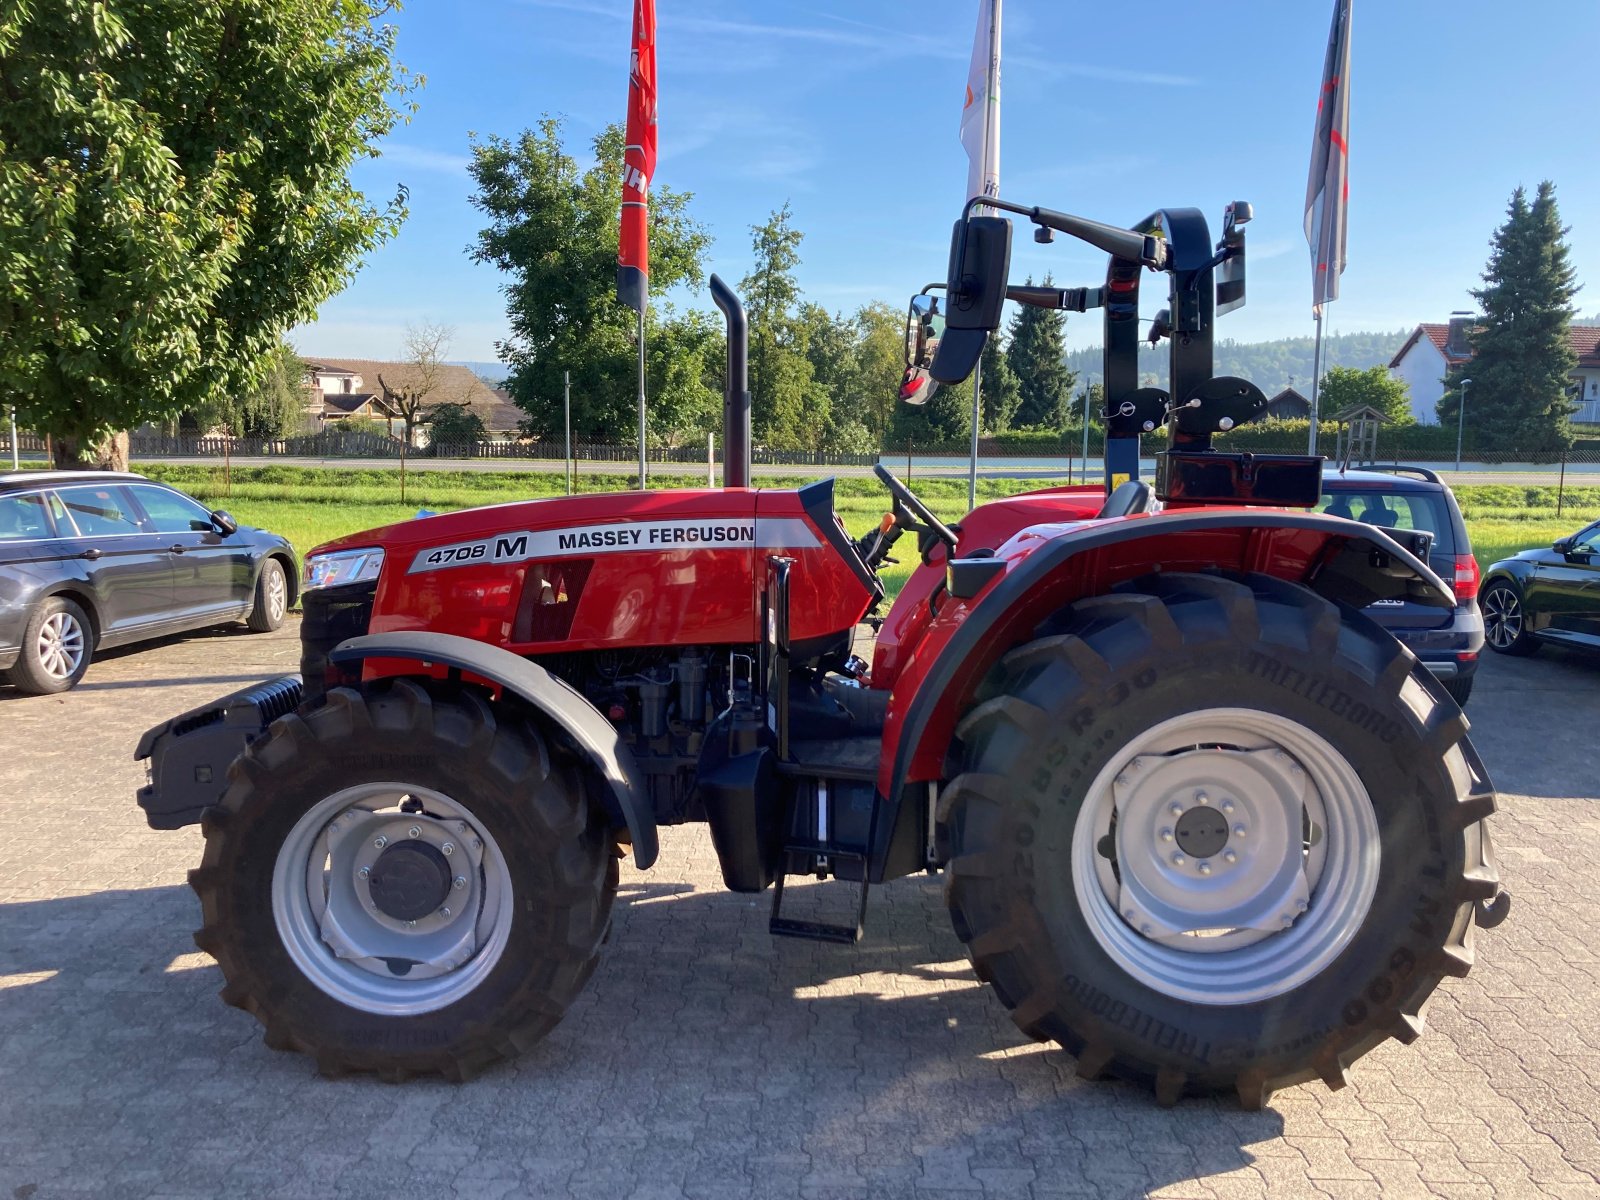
(849,110)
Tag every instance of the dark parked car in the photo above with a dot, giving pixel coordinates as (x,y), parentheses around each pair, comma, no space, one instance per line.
(1546,596)
(90,560)
(1414,505)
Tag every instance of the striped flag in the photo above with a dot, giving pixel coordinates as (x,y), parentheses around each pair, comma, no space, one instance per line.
(980,114)
(1328,189)
(638,162)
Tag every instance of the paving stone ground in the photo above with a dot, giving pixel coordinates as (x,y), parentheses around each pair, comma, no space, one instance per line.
(707,1059)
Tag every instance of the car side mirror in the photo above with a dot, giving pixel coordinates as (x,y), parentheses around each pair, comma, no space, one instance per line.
(1562,545)
(223,522)
(980,260)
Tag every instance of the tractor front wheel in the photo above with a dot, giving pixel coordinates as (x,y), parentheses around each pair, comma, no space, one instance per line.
(1214,833)
(405,883)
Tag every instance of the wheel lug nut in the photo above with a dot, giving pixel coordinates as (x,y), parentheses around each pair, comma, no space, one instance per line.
(1128,913)
(1166,835)
(411,924)
(1147,929)
(1229,856)
(364,872)
(1287,920)
(1239,831)
(1175,809)
(459,882)
(1205,868)
(380,841)
(414,831)
(476,844)
(448,847)
(1301,906)
(444,912)
(1227,806)
(1201,798)
(1178,860)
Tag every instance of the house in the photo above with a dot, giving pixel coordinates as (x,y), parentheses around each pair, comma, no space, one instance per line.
(1432,349)
(1289,405)
(340,388)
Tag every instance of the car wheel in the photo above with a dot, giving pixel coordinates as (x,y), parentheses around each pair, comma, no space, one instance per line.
(1459,689)
(272,598)
(56,648)
(1505,623)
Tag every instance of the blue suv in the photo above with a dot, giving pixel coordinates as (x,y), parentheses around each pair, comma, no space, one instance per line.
(1412,501)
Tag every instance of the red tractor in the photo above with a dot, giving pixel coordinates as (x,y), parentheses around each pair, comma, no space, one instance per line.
(1200,821)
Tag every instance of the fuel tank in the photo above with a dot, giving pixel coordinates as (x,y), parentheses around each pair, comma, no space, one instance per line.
(619,570)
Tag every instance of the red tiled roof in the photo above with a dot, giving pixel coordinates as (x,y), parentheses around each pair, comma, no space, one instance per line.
(1584,340)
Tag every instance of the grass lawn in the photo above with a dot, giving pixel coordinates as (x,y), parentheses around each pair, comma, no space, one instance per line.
(311,505)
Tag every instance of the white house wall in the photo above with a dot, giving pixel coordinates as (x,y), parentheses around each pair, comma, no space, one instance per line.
(1422,370)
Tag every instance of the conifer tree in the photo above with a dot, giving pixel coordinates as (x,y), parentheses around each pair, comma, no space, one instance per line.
(1520,396)
(1037,356)
(1001,395)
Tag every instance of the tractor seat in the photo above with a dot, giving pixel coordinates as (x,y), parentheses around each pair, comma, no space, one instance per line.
(1131,497)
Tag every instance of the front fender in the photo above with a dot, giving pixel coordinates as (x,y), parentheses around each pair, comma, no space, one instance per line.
(591,734)
(1050,568)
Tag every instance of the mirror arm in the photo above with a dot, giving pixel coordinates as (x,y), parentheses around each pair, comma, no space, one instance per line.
(1149,251)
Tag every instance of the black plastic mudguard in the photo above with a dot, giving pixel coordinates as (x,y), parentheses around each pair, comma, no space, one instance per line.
(190,753)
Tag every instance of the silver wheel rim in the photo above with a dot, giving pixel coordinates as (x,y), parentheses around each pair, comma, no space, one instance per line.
(277,594)
(1502,617)
(335,933)
(1243,856)
(60,645)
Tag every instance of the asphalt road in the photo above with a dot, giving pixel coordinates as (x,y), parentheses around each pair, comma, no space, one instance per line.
(707,1059)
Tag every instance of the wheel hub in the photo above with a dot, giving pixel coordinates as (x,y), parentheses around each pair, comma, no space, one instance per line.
(1202,832)
(409,880)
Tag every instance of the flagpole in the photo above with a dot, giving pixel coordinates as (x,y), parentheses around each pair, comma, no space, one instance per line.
(641,398)
(1316,379)
(991,136)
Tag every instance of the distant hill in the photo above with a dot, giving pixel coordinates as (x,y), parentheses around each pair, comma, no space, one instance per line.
(492,373)
(1269,365)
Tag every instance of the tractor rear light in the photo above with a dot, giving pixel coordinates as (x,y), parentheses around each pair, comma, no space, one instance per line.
(1466,580)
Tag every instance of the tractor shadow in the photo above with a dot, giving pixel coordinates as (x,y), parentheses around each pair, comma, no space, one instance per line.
(702,1047)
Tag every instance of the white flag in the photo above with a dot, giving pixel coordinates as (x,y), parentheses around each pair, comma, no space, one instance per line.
(980,115)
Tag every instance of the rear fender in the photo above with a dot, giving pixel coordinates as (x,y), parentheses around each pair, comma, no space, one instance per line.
(1048,569)
(588,732)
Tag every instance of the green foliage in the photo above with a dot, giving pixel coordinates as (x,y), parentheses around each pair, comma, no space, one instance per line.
(1001,395)
(684,368)
(790,409)
(1522,362)
(1037,356)
(272,407)
(454,425)
(1271,366)
(553,230)
(1345,387)
(174,196)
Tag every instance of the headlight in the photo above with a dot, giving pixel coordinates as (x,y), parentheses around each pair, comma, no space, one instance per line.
(343,566)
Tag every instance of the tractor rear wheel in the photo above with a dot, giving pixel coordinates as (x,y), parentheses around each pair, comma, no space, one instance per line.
(1214,833)
(405,883)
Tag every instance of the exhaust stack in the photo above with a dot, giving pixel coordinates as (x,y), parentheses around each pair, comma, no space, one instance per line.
(736,397)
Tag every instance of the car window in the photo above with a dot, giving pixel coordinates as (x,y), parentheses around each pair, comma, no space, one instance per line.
(1394,510)
(1588,541)
(168,511)
(100,511)
(23,517)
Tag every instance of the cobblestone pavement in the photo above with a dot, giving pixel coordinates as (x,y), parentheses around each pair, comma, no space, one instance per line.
(707,1059)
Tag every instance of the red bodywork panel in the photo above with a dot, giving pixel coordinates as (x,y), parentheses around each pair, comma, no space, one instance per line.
(1285,553)
(613,571)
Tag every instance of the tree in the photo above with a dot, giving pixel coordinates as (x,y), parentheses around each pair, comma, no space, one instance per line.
(273,406)
(407,388)
(1037,356)
(1522,359)
(1346,387)
(553,229)
(790,410)
(453,426)
(174,197)
(1001,395)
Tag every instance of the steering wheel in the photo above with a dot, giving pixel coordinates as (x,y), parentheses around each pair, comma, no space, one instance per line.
(905,499)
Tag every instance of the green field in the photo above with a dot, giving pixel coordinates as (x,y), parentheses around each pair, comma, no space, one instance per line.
(310,505)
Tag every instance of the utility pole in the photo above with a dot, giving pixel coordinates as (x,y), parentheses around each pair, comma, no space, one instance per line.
(568,468)
(16,463)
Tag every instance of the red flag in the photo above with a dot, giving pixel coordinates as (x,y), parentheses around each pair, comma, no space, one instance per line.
(1328,189)
(638,161)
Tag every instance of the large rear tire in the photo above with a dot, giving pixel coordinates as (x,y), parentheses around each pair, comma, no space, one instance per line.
(1161,847)
(404,883)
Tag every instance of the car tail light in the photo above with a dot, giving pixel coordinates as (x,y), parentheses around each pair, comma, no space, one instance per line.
(1466,577)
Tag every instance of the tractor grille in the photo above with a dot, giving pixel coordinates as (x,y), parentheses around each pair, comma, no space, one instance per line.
(332,615)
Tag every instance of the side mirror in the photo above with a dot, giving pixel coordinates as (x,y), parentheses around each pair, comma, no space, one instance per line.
(224,523)
(917,387)
(1562,545)
(980,260)
(924,327)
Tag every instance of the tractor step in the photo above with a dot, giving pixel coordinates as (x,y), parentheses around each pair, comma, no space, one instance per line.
(819,931)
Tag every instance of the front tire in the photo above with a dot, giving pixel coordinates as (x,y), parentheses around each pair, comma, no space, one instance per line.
(404,883)
(1242,725)
(271,598)
(1505,620)
(57,645)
